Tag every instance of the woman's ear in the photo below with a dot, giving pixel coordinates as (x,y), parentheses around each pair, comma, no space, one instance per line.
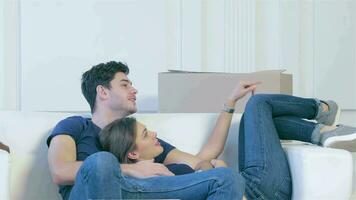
(133,155)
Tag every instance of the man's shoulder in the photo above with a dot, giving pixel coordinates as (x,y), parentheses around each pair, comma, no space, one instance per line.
(75,120)
(74,126)
(78,118)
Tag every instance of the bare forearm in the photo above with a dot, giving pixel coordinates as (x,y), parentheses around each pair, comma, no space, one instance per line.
(65,174)
(126,169)
(215,145)
(145,169)
(62,160)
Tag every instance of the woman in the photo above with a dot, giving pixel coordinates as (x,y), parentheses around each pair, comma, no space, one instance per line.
(130,141)
(124,137)
(266,120)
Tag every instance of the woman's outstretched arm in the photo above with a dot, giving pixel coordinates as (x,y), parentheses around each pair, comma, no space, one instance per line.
(216,142)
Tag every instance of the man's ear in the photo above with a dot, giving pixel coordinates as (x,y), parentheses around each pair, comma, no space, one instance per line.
(102,92)
(133,155)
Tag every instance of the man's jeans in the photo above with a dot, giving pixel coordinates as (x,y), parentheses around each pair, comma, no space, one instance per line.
(100,177)
(262,161)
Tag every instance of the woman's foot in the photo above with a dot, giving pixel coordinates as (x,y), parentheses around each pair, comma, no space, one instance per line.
(340,137)
(329,113)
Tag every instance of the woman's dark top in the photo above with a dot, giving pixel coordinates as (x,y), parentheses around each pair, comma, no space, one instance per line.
(180,169)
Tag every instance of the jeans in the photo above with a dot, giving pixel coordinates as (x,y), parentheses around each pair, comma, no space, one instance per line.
(100,177)
(262,161)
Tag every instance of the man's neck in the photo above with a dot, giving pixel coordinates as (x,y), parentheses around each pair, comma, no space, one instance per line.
(101,118)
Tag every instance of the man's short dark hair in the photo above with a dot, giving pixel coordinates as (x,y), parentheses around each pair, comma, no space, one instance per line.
(101,74)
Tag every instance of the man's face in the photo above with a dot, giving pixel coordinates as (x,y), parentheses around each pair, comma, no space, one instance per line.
(122,95)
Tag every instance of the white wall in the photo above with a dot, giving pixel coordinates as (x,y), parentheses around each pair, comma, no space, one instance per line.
(9,55)
(335,51)
(90,32)
(229,36)
(2,49)
(304,37)
(278,40)
(315,41)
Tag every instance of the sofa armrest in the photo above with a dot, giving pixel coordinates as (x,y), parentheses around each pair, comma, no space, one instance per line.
(319,173)
(4,175)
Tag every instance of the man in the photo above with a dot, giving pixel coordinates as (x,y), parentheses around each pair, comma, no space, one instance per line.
(83,172)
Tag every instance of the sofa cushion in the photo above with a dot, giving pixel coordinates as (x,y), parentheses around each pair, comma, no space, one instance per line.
(26,133)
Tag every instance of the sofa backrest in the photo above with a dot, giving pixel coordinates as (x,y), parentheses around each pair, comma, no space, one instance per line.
(26,133)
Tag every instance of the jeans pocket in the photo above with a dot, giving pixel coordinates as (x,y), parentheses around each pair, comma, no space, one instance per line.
(284,191)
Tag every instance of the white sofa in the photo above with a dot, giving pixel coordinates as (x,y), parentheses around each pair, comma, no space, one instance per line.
(317,173)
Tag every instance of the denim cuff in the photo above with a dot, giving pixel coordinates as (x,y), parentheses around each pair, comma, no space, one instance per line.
(316,135)
(319,109)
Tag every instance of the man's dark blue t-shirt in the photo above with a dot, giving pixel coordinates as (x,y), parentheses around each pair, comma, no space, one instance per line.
(86,136)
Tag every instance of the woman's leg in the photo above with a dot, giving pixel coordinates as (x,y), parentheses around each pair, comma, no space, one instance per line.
(100,177)
(287,105)
(261,158)
(218,183)
(294,128)
(263,164)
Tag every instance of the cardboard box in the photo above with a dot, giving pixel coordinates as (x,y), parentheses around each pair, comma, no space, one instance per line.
(206,92)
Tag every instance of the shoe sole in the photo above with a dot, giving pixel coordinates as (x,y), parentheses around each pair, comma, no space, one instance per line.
(337,116)
(346,142)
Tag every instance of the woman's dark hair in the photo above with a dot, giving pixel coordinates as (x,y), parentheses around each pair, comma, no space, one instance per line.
(101,74)
(119,137)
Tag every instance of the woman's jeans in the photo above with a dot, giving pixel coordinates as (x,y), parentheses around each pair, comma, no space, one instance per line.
(100,177)
(262,161)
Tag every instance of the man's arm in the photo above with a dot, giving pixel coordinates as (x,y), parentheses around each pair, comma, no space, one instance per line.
(62,160)
(145,169)
(216,142)
(64,167)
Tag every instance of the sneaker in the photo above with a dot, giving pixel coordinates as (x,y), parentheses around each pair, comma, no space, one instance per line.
(343,137)
(330,117)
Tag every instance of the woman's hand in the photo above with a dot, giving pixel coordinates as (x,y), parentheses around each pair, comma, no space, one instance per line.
(218,163)
(241,89)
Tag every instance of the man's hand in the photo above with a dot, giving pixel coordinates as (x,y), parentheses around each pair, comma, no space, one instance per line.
(218,163)
(145,169)
(241,89)
(203,165)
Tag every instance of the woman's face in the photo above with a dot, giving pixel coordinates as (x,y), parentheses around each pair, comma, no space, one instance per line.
(147,144)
